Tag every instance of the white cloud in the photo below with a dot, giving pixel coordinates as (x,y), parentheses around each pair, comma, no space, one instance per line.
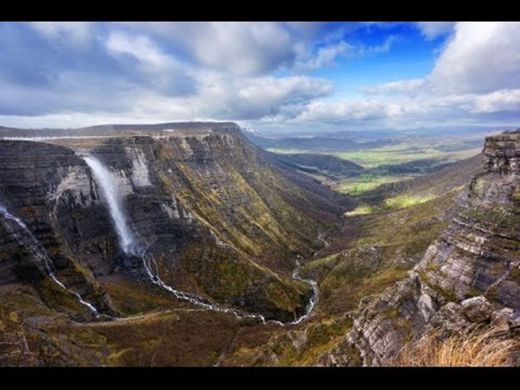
(141,48)
(158,69)
(363,50)
(432,30)
(476,77)
(324,56)
(498,101)
(346,110)
(226,97)
(423,108)
(72,33)
(481,57)
(236,47)
(243,47)
(396,87)
(229,71)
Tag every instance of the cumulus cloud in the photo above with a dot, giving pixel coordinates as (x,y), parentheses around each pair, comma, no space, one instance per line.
(432,30)
(176,71)
(243,47)
(223,97)
(481,57)
(345,111)
(72,33)
(476,77)
(324,56)
(237,47)
(141,48)
(498,101)
(395,87)
(424,108)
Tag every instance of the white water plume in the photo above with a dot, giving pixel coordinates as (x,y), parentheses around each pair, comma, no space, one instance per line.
(111,193)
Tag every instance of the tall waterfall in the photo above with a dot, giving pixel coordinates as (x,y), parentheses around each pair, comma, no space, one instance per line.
(41,253)
(110,192)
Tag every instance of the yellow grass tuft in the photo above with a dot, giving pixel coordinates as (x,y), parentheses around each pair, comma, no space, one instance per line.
(476,349)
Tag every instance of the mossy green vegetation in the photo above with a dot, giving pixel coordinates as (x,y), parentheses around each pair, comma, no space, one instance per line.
(404,201)
(362,209)
(389,204)
(500,217)
(295,347)
(359,185)
(388,243)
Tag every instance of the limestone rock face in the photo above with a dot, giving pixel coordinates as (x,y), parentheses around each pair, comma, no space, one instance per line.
(502,316)
(48,187)
(470,275)
(501,153)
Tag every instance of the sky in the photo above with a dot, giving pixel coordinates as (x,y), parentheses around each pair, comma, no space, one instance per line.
(273,77)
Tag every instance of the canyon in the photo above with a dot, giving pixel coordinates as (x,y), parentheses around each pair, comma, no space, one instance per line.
(186,244)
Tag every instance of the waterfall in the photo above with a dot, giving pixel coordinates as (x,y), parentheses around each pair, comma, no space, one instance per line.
(110,192)
(41,253)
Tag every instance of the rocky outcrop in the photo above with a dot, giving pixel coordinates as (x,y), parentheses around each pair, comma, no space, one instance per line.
(217,217)
(469,277)
(502,154)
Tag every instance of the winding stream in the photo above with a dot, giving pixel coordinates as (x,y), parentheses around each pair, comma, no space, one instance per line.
(41,253)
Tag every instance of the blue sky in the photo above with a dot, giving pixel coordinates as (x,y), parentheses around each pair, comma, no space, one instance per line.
(274,77)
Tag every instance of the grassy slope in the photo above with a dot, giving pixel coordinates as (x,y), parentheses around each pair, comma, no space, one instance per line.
(372,253)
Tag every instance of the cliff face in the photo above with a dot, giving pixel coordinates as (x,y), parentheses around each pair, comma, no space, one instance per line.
(469,277)
(44,185)
(217,217)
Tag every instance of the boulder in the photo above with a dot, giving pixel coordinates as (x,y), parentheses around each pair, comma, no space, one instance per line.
(502,316)
(477,309)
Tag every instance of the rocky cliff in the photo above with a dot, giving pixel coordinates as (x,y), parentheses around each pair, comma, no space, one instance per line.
(218,218)
(467,279)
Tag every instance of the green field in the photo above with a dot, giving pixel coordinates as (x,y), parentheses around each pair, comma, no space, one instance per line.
(395,163)
(403,153)
(357,186)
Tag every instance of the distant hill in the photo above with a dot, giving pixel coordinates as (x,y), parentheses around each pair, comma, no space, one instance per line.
(324,164)
(120,129)
(326,143)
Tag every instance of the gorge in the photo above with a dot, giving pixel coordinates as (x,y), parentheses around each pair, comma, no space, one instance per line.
(193,246)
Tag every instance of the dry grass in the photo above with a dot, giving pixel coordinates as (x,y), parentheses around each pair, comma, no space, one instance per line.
(476,349)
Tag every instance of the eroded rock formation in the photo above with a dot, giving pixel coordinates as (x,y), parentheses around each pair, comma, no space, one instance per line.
(470,276)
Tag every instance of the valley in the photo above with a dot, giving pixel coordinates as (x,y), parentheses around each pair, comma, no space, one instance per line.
(376,157)
(196,247)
